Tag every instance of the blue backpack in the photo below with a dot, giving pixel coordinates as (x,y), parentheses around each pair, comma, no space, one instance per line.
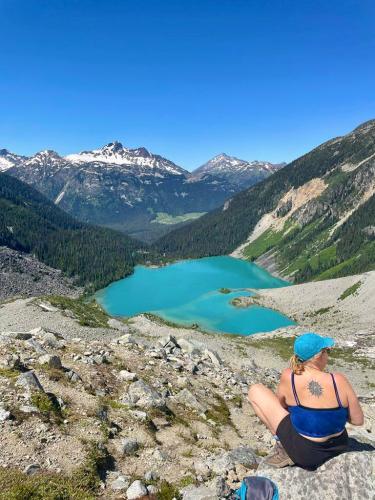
(257,488)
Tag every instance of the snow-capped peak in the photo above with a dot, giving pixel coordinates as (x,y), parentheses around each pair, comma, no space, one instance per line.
(9,160)
(115,153)
(234,169)
(47,156)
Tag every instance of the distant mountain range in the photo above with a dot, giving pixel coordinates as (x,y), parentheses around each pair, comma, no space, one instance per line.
(314,219)
(133,190)
(237,172)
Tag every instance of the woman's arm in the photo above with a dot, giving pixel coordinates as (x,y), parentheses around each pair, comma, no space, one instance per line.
(355,411)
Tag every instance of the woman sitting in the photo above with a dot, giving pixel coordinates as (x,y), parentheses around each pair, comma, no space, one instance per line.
(310,409)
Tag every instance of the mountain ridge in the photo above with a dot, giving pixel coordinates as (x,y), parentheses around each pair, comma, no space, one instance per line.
(123,188)
(319,237)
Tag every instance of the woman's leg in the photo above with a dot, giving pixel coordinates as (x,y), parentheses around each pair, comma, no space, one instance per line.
(267,406)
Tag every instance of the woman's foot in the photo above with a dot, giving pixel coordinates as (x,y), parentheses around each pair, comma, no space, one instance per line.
(278,457)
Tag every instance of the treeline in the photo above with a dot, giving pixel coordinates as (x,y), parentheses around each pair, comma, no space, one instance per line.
(94,256)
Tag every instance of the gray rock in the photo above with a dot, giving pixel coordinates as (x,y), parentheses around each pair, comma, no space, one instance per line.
(51,360)
(169,340)
(346,477)
(151,475)
(186,398)
(136,490)
(31,469)
(139,415)
(18,335)
(118,325)
(99,359)
(152,490)
(189,346)
(199,493)
(120,484)
(51,340)
(160,455)
(129,446)
(72,376)
(126,339)
(4,414)
(128,376)
(38,348)
(245,456)
(214,357)
(12,361)
(202,469)
(29,381)
(221,465)
(142,395)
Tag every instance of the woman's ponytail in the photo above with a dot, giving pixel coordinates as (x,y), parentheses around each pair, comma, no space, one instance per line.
(296,365)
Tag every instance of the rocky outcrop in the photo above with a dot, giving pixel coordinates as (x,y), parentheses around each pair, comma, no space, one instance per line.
(350,476)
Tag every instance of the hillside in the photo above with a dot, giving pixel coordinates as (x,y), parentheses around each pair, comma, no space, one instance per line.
(314,218)
(30,223)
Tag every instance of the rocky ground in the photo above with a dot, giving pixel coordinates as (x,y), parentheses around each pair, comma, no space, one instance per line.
(23,275)
(144,409)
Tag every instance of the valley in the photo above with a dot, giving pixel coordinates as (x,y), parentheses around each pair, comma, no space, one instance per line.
(155,402)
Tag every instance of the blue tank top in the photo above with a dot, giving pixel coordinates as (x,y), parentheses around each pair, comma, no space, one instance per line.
(318,422)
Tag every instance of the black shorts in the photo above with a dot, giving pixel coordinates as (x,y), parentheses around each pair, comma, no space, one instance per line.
(306,453)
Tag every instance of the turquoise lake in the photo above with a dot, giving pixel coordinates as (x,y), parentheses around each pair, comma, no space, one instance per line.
(187,292)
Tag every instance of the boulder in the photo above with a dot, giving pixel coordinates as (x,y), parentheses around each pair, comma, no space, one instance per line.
(51,361)
(127,376)
(50,340)
(168,341)
(152,490)
(245,456)
(129,446)
(349,476)
(31,469)
(38,348)
(120,484)
(136,490)
(189,346)
(4,414)
(118,325)
(29,381)
(151,475)
(186,398)
(214,357)
(142,395)
(199,493)
(126,339)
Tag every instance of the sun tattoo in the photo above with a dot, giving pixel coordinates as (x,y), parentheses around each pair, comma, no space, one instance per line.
(315,388)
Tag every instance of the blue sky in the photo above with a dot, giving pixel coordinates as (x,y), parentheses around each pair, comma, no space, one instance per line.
(188,79)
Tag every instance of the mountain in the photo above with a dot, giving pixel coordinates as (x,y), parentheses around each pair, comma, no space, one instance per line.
(314,219)
(32,224)
(9,160)
(131,190)
(239,173)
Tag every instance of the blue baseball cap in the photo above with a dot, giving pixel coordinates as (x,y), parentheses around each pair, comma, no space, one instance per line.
(309,344)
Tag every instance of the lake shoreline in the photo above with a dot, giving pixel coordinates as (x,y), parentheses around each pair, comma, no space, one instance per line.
(191,291)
